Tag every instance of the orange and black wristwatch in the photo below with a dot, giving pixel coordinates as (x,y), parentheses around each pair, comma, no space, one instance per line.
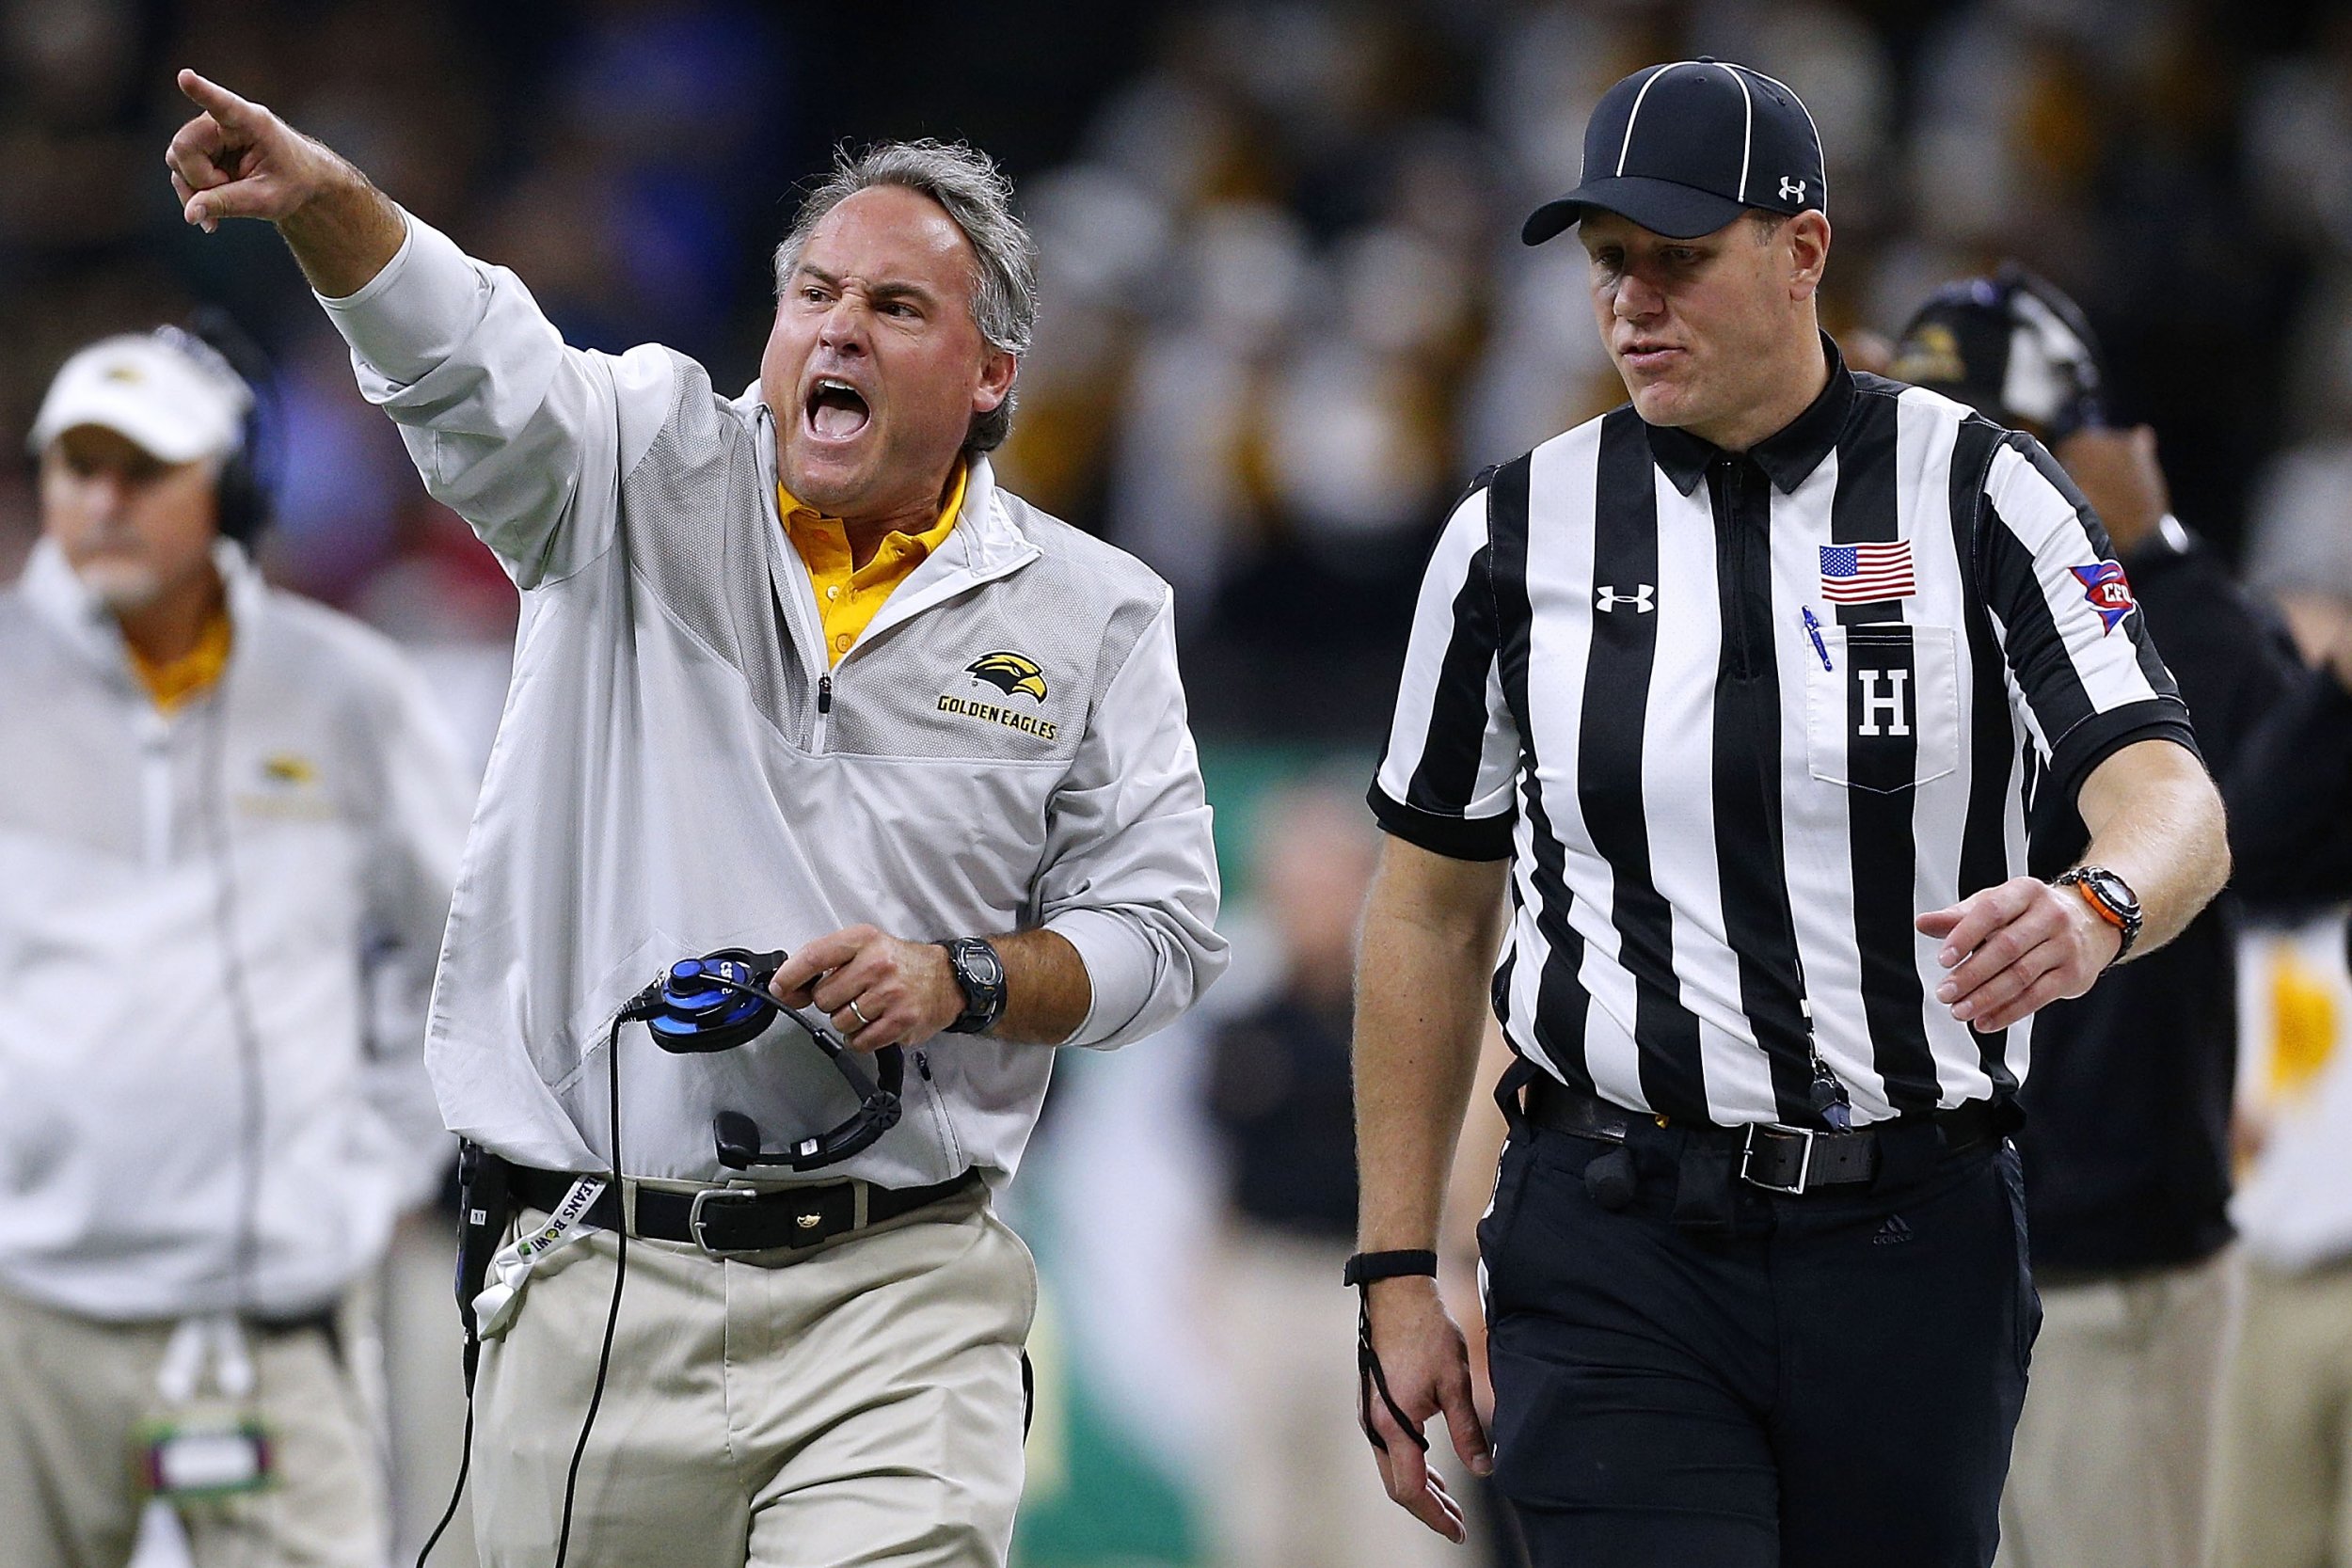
(2110,898)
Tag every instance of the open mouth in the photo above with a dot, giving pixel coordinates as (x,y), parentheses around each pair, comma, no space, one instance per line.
(836,410)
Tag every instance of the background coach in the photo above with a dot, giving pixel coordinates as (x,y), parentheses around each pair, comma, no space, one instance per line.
(794,672)
(1718,685)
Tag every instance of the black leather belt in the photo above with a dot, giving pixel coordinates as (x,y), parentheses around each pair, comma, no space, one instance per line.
(1789,1160)
(738,1219)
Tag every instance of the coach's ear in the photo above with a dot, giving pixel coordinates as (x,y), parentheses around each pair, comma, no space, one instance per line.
(1804,244)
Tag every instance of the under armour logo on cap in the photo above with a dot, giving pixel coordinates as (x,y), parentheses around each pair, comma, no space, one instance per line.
(1684,148)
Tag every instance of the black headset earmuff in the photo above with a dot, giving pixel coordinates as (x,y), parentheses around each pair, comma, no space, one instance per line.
(241,496)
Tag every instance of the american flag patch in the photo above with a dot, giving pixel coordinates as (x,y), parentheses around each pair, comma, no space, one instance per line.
(1865,573)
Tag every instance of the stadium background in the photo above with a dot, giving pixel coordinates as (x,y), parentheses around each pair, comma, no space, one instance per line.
(1285,316)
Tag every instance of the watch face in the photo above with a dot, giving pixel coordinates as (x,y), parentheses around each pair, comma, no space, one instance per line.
(2112,890)
(984,966)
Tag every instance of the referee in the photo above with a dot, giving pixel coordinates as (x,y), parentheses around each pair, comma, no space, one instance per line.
(1737,692)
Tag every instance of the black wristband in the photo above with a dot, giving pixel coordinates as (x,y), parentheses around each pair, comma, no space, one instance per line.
(1365,1267)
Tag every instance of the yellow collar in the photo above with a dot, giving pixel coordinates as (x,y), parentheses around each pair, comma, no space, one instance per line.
(173,682)
(810,527)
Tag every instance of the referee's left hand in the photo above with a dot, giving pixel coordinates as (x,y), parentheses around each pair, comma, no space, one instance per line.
(877,990)
(2015,949)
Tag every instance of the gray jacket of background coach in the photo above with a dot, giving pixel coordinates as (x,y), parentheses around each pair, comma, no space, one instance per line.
(677,770)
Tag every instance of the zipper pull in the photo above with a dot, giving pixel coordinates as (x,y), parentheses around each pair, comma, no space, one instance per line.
(923,1064)
(824,693)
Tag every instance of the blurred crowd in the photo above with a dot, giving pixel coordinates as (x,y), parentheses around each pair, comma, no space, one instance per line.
(1287,316)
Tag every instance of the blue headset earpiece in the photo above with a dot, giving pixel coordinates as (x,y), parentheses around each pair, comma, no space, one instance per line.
(714,1002)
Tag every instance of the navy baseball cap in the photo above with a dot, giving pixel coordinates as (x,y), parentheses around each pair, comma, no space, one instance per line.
(1684,148)
(2012,346)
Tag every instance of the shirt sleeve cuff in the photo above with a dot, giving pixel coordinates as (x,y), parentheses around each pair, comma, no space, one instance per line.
(412,316)
(1461,838)
(2101,735)
(1122,968)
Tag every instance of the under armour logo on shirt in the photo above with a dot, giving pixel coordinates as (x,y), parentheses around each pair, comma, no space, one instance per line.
(1791,190)
(1643,598)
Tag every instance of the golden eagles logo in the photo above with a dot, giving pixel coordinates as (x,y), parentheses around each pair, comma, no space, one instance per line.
(1010,673)
(287,768)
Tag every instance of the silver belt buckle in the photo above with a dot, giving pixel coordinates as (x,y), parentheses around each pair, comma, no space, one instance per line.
(694,1217)
(1804,1166)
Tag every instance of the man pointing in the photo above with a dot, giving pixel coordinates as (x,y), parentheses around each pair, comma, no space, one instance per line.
(759,703)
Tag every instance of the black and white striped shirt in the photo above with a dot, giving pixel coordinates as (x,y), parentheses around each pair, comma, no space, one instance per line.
(1736,721)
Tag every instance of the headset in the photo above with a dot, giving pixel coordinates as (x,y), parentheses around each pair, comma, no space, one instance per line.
(721,1000)
(215,344)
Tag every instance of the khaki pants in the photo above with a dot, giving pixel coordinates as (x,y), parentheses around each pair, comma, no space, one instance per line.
(1293,1479)
(860,1403)
(2110,1468)
(72,1389)
(2283,1472)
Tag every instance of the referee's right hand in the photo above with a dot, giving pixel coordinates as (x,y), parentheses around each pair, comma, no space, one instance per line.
(1426,1362)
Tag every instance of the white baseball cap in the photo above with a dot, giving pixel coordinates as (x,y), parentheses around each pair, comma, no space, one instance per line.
(167,390)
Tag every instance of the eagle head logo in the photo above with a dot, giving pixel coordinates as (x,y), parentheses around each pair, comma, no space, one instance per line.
(1010,673)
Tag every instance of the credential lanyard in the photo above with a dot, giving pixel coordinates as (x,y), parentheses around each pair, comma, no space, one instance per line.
(510,1267)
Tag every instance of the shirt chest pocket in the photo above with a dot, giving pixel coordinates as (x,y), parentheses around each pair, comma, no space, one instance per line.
(1885,713)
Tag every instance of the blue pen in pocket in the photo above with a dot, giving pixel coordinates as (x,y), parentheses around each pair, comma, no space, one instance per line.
(1813,629)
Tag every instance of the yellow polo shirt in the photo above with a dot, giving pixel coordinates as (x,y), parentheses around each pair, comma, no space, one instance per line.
(848,595)
(174,681)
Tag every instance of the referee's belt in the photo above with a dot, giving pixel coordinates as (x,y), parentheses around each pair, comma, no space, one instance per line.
(1789,1160)
(722,1220)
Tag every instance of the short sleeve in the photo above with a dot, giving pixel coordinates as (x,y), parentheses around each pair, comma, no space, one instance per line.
(2076,641)
(1447,780)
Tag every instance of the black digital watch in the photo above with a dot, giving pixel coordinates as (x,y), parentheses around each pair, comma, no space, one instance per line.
(981,975)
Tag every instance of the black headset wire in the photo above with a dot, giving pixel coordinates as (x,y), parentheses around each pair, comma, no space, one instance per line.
(611,1321)
(620,1278)
(244,1268)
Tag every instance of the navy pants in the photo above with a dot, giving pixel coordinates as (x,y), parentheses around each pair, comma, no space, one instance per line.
(1828,1380)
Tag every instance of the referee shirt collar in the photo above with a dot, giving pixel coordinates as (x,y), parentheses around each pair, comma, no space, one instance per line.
(1787,456)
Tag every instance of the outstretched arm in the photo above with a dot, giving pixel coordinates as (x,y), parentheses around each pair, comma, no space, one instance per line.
(238,160)
(523,438)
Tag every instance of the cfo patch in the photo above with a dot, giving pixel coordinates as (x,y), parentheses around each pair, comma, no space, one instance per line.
(2107,590)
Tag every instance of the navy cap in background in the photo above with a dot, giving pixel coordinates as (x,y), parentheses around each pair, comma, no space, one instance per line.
(1684,148)
(2015,347)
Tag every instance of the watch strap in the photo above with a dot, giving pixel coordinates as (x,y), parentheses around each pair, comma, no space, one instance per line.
(2126,919)
(979,973)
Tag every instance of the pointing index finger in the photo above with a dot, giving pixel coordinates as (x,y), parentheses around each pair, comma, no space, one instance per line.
(233,112)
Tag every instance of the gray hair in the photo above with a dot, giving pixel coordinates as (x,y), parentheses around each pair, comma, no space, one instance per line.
(966,182)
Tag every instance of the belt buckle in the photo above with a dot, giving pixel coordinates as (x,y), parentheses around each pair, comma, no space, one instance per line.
(1804,1166)
(694,1217)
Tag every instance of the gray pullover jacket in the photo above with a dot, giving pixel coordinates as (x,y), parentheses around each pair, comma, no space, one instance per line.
(216,927)
(677,768)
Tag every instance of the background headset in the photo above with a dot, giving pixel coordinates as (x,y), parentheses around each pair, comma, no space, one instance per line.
(219,348)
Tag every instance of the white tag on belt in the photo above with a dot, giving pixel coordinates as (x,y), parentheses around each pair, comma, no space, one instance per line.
(510,1269)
